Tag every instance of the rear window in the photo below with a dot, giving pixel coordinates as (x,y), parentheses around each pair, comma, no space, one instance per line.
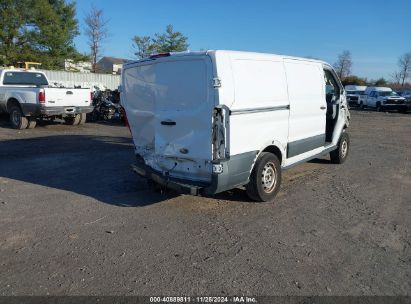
(24,78)
(170,85)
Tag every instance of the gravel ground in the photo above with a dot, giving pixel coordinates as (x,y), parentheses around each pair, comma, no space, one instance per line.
(75,220)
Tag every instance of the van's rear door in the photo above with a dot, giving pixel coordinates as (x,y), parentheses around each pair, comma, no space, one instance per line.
(169,104)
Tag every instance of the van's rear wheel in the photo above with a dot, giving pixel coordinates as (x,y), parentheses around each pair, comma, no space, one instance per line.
(72,120)
(17,119)
(339,155)
(265,179)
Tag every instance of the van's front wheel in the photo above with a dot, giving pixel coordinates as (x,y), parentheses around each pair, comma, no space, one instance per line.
(265,179)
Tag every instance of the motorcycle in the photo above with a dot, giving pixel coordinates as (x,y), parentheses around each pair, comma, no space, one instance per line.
(106,106)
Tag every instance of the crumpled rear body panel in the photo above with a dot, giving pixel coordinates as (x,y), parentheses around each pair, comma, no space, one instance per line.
(169,104)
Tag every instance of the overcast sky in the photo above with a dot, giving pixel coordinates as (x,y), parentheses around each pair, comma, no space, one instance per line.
(376,32)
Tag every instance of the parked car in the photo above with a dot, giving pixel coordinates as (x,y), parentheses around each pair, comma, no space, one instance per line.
(353,94)
(27,96)
(383,98)
(206,122)
(407,96)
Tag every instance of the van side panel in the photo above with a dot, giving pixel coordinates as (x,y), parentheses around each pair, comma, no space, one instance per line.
(306,89)
(259,114)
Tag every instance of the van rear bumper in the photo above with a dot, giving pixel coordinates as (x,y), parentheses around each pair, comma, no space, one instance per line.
(172,183)
(236,172)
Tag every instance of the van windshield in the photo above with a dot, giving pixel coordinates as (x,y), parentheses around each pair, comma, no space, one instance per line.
(24,78)
(355,92)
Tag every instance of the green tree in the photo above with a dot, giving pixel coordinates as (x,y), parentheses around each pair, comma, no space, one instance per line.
(381,82)
(354,80)
(170,41)
(38,30)
(14,36)
(143,46)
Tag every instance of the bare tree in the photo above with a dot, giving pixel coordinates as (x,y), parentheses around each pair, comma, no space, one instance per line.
(404,63)
(396,77)
(343,64)
(96,32)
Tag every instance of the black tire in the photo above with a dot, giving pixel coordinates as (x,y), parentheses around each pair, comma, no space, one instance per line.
(32,122)
(266,166)
(72,120)
(362,107)
(17,119)
(339,155)
(378,107)
(402,110)
(83,118)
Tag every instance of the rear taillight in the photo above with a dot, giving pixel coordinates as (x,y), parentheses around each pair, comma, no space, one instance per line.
(91,97)
(159,55)
(123,111)
(42,96)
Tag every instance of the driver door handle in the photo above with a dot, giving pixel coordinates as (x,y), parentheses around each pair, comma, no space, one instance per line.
(322,108)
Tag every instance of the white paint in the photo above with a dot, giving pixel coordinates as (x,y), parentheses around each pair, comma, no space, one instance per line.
(179,88)
(28,94)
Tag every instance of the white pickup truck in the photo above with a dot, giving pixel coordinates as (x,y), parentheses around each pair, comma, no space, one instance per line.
(27,96)
(383,98)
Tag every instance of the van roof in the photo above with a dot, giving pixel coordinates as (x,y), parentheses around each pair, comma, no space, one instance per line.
(256,54)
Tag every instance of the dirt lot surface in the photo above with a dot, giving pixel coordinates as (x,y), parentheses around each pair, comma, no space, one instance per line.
(75,220)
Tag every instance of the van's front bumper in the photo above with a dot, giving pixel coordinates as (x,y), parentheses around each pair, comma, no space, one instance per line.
(391,106)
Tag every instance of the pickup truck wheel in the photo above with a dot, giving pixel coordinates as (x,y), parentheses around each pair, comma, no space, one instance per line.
(265,179)
(83,118)
(339,155)
(362,107)
(72,121)
(32,122)
(17,119)
(378,107)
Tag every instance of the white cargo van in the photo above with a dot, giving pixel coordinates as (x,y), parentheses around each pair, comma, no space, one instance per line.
(206,122)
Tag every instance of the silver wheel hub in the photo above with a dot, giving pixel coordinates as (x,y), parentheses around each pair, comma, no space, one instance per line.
(344,148)
(269,177)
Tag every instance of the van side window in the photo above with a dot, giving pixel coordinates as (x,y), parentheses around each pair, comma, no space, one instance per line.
(332,90)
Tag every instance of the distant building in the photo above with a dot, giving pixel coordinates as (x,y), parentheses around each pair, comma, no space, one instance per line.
(80,66)
(110,65)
